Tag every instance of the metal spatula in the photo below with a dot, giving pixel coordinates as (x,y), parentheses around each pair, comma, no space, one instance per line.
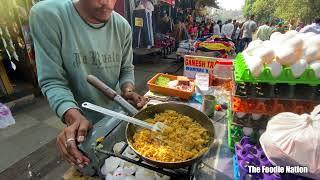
(159,126)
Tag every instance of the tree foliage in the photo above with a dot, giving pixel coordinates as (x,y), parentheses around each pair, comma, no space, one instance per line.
(263,10)
(203,3)
(247,8)
(304,10)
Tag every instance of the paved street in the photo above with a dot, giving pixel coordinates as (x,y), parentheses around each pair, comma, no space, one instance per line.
(29,145)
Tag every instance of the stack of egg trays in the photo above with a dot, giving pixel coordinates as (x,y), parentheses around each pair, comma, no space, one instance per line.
(236,133)
(271,107)
(243,74)
(247,153)
(255,121)
(283,91)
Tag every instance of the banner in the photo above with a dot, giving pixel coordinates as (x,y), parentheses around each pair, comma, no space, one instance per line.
(198,64)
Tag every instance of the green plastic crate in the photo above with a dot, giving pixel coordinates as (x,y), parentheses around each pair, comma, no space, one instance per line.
(243,74)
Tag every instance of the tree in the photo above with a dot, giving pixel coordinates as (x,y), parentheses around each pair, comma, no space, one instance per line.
(247,8)
(203,3)
(263,10)
(305,10)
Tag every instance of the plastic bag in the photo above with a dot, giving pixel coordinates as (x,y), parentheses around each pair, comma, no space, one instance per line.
(293,140)
(6,118)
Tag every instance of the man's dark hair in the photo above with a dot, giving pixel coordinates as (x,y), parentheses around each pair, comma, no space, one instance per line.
(267,22)
(317,20)
(219,21)
(252,17)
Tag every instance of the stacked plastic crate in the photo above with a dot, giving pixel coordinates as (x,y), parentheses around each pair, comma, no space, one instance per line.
(256,99)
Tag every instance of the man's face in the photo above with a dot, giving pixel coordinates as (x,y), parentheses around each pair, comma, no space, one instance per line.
(99,9)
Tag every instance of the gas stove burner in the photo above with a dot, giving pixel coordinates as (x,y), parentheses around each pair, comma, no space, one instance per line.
(100,145)
(181,173)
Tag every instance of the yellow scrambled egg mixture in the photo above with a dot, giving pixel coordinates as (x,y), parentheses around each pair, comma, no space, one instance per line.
(183,139)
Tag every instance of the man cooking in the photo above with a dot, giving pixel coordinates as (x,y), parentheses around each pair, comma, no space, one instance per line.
(73,39)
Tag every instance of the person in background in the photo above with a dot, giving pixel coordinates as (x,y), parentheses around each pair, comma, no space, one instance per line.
(206,29)
(178,31)
(314,27)
(227,29)
(211,28)
(292,24)
(235,34)
(280,28)
(248,28)
(216,28)
(238,36)
(273,25)
(300,26)
(264,32)
(165,23)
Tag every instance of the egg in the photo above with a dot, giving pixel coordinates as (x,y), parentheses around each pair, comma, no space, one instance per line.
(254,43)
(291,33)
(275,68)
(314,41)
(256,116)
(247,131)
(295,42)
(286,56)
(240,114)
(267,44)
(274,36)
(311,53)
(299,67)
(255,65)
(315,65)
(265,54)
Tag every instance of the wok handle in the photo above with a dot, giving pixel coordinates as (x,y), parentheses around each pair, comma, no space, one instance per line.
(111,94)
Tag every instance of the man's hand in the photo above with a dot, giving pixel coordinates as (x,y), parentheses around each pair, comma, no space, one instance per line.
(75,133)
(132,97)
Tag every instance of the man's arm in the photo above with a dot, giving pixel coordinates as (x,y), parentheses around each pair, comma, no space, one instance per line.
(127,68)
(126,79)
(51,75)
